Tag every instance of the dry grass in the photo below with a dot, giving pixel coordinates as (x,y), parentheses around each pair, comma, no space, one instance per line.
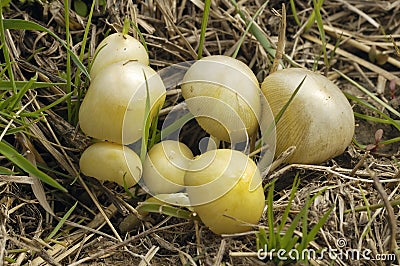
(171,29)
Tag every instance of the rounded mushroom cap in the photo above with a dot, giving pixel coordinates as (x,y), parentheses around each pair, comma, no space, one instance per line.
(114,106)
(165,167)
(108,161)
(118,47)
(224,188)
(319,121)
(224,96)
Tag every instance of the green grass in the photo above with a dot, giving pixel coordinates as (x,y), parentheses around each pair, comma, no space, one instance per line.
(281,233)
(207,4)
(21,162)
(4,47)
(146,123)
(16,115)
(256,31)
(61,222)
(78,79)
(249,25)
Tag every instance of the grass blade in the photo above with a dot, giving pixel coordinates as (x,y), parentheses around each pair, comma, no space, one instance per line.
(5,50)
(311,19)
(206,13)
(256,31)
(5,84)
(47,107)
(285,215)
(141,37)
(146,123)
(259,11)
(18,96)
(77,80)
(289,233)
(177,124)
(390,141)
(165,209)
(387,119)
(282,111)
(320,24)
(370,94)
(270,215)
(294,12)
(372,118)
(61,222)
(15,157)
(313,232)
(261,239)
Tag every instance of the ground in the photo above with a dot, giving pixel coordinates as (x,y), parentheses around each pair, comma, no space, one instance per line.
(362,41)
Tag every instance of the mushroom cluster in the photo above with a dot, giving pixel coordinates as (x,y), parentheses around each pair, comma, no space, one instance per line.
(223,185)
(113,110)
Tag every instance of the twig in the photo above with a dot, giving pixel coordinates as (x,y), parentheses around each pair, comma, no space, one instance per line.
(97,221)
(41,253)
(281,159)
(3,234)
(280,49)
(358,165)
(361,13)
(378,70)
(373,207)
(198,240)
(220,254)
(150,254)
(391,218)
(358,44)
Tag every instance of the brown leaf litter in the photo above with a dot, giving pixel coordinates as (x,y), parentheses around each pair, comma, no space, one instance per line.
(362,185)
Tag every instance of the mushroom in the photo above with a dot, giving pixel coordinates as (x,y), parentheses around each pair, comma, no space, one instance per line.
(108,161)
(224,96)
(224,188)
(165,166)
(319,121)
(114,106)
(118,47)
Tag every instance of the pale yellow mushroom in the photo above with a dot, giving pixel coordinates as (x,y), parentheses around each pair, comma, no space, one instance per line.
(108,161)
(165,167)
(114,106)
(224,96)
(225,190)
(118,47)
(319,121)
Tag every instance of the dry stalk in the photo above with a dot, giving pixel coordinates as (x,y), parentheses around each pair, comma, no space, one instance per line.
(391,218)
(124,243)
(280,49)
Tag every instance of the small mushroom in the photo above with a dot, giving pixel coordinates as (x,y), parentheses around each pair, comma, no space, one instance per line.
(224,96)
(224,188)
(114,106)
(118,47)
(165,167)
(108,161)
(319,121)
